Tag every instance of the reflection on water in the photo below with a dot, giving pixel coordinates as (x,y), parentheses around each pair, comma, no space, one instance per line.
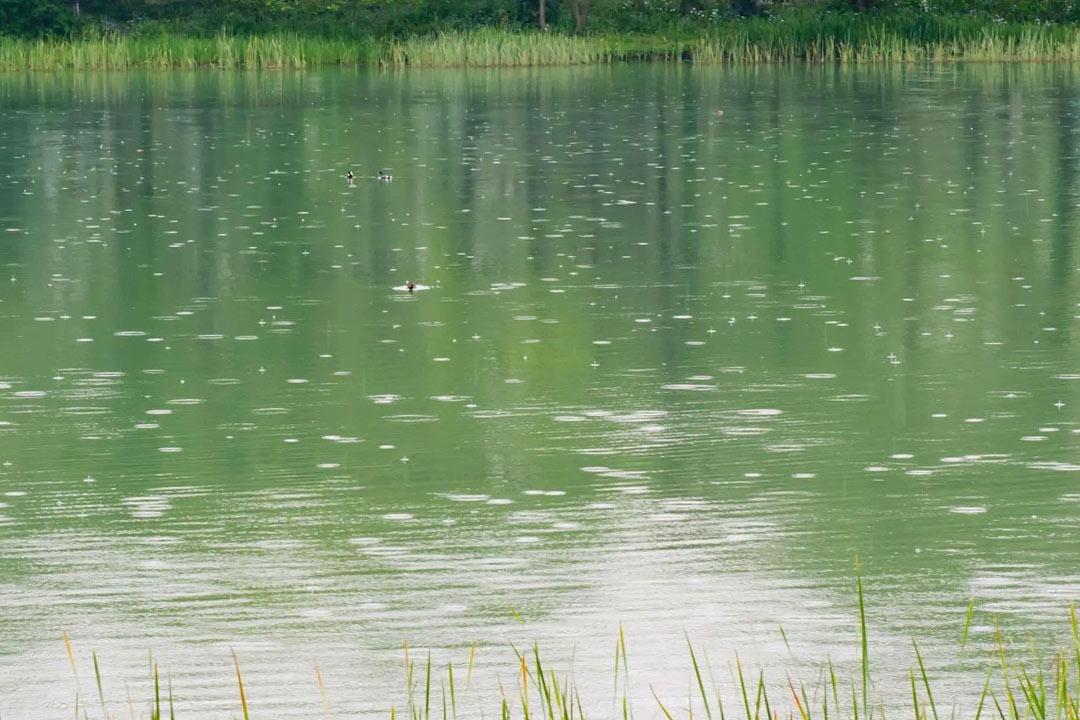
(676,368)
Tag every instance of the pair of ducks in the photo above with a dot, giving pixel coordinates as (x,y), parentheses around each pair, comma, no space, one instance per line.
(383,175)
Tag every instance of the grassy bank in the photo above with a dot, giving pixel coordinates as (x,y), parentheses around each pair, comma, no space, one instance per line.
(1010,689)
(845,38)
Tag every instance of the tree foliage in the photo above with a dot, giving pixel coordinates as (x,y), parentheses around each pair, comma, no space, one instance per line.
(30,18)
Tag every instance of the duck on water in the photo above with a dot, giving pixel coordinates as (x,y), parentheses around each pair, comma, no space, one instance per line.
(383,175)
(411,287)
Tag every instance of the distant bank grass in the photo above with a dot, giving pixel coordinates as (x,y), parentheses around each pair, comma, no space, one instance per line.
(811,38)
(172,51)
(1010,689)
(847,39)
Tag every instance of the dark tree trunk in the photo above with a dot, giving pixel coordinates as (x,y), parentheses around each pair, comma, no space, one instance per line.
(75,8)
(580,8)
(543,15)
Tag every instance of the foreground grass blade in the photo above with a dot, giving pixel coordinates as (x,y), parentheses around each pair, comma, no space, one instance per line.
(156,713)
(865,642)
(786,643)
(798,703)
(914,696)
(967,622)
(322,690)
(472,657)
(925,680)
(662,708)
(742,687)
(100,686)
(240,686)
(427,690)
(982,698)
(70,652)
(453,697)
(700,682)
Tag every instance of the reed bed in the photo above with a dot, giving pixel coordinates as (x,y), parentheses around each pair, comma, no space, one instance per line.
(170,51)
(1011,689)
(866,39)
(815,38)
(492,48)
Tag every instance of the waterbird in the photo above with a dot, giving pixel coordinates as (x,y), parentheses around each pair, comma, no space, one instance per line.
(410,285)
(349,175)
(385,176)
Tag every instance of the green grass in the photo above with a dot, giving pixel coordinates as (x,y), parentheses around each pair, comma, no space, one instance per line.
(170,51)
(1011,689)
(808,37)
(869,39)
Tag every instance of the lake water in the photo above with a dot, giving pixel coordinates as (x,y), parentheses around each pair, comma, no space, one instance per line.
(695,338)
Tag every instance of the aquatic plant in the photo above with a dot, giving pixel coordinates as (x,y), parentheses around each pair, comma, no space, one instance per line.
(1012,689)
(806,37)
(862,39)
(224,51)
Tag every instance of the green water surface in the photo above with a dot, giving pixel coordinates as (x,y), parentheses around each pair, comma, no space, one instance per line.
(694,339)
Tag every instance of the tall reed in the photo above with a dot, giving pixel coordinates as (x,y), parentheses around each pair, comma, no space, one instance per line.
(810,37)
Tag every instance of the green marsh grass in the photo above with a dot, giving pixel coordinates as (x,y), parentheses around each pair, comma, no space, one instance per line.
(1011,689)
(808,37)
(869,39)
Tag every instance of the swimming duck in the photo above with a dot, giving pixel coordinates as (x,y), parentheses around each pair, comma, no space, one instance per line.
(410,285)
(385,176)
(349,176)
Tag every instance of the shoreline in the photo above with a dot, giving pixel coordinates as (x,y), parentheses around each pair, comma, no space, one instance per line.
(820,39)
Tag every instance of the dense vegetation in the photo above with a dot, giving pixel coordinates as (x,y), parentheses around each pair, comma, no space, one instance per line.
(353,18)
(844,39)
(120,34)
